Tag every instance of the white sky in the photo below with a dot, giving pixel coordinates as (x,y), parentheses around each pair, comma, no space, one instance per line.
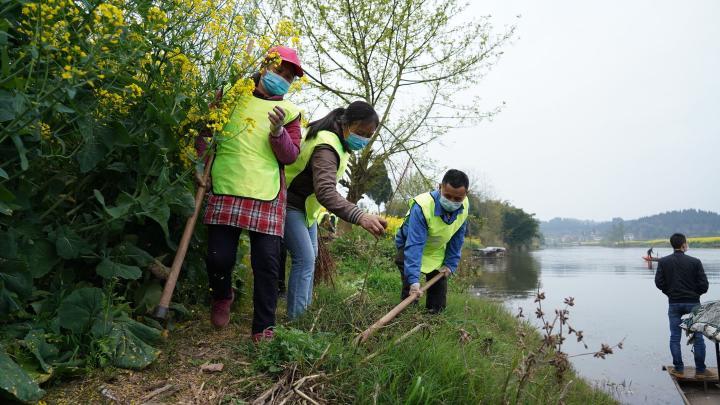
(613,109)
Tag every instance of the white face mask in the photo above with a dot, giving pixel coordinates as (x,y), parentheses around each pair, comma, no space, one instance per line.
(449,206)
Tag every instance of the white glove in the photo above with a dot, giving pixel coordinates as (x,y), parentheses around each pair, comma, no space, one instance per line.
(415,290)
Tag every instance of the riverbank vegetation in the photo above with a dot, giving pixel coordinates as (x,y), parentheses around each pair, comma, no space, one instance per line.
(474,352)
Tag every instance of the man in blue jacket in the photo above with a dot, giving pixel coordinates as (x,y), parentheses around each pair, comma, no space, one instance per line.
(682,278)
(431,237)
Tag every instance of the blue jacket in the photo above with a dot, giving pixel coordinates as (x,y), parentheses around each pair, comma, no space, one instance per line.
(413,234)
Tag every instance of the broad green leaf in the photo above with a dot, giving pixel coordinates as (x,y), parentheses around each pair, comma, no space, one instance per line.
(9,301)
(4,174)
(110,269)
(16,382)
(42,350)
(129,340)
(90,155)
(127,250)
(16,277)
(40,257)
(78,310)
(68,243)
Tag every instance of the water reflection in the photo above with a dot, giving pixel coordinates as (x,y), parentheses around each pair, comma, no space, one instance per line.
(516,275)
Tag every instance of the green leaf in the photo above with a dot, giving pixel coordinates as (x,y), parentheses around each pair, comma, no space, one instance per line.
(22,152)
(16,382)
(99,197)
(40,257)
(127,251)
(7,113)
(16,277)
(79,310)
(63,109)
(42,350)
(129,340)
(4,174)
(123,205)
(90,155)
(68,243)
(110,269)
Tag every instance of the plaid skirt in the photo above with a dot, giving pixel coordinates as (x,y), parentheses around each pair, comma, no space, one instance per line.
(266,217)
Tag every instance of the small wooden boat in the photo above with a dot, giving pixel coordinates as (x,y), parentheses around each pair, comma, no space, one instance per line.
(696,390)
(491,251)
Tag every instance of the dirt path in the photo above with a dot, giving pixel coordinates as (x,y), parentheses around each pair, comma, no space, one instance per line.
(176,377)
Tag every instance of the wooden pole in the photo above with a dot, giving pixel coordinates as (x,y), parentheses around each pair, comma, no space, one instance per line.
(393,312)
(162,309)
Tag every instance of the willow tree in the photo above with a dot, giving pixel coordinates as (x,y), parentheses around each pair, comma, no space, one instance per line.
(408,58)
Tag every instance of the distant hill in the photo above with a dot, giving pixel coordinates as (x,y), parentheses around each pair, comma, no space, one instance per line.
(691,222)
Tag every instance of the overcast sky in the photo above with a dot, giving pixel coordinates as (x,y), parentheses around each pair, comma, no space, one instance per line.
(613,109)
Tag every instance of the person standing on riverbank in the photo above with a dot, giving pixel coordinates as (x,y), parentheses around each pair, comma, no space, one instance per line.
(682,278)
(431,237)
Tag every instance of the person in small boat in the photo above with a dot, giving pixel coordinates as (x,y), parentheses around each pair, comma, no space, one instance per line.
(682,278)
(431,237)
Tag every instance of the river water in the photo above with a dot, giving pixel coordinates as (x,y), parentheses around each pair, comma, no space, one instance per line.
(615,299)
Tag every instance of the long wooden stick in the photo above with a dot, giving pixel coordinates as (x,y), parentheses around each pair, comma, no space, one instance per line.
(393,312)
(162,309)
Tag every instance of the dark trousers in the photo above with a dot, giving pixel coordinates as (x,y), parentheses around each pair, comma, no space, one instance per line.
(265,261)
(436,295)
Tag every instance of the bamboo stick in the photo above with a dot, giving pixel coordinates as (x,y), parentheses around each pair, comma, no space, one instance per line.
(393,312)
(162,309)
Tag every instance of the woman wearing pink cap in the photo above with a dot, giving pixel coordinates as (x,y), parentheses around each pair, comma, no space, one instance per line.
(248,190)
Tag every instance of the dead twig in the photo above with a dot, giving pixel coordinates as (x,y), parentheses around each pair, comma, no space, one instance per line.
(161,392)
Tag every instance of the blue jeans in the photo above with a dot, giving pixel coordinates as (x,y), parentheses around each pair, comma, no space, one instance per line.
(301,242)
(675,311)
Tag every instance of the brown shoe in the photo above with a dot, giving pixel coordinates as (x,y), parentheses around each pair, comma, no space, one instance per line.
(677,374)
(706,375)
(220,311)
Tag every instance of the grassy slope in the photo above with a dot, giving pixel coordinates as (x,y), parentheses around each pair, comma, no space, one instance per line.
(432,365)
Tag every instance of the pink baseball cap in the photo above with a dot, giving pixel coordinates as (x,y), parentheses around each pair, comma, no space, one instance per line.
(288,55)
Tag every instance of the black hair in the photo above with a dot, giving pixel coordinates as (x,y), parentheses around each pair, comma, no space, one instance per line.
(357,111)
(456,178)
(677,240)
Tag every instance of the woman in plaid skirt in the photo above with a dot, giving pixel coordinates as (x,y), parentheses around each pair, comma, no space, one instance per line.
(248,191)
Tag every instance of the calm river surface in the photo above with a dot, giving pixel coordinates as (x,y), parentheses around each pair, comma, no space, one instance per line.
(615,298)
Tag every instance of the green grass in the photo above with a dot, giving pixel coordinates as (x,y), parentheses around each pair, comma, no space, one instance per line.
(433,365)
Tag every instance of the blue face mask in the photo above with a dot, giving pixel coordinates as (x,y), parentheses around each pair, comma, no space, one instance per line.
(356,142)
(449,206)
(275,84)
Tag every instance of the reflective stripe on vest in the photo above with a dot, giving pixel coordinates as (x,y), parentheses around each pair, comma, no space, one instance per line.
(245,165)
(439,233)
(312,205)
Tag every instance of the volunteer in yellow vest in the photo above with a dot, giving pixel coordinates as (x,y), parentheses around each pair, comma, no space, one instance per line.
(248,190)
(431,237)
(312,183)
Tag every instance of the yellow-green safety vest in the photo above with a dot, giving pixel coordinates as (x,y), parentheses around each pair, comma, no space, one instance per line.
(312,205)
(439,233)
(245,165)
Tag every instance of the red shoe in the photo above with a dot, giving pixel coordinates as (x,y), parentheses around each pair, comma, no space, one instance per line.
(220,311)
(263,336)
